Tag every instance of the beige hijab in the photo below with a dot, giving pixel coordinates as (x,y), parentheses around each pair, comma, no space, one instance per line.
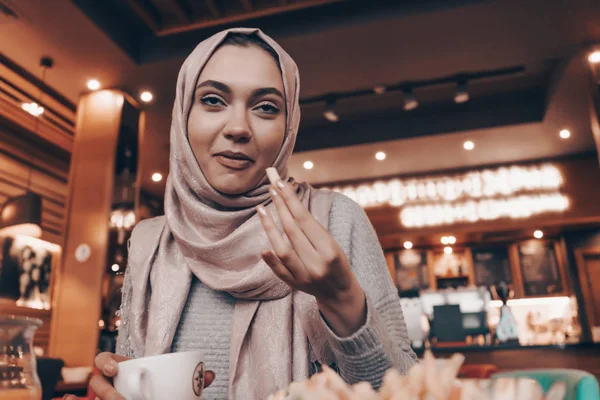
(219,238)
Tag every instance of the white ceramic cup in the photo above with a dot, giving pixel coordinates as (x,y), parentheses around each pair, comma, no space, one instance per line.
(169,376)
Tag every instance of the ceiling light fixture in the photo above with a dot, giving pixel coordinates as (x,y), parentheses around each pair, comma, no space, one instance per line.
(565,134)
(538,234)
(410,101)
(329,111)
(448,250)
(462,92)
(157,177)
(594,57)
(146,97)
(93,84)
(408,245)
(379,89)
(468,145)
(380,156)
(308,165)
(33,109)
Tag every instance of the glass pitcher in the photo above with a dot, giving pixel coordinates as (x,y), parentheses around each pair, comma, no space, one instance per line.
(18,369)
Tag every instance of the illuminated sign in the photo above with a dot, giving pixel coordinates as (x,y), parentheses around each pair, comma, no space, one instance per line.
(506,192)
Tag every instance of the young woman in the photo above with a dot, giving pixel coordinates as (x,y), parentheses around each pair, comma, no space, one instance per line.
(271,281)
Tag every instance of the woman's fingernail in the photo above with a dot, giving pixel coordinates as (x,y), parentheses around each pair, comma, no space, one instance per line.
(110,367)
(261,211)
(281,184)
(273,192)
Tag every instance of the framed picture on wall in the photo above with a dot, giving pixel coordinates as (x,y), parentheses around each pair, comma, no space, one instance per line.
(491,265)
(412,273)
(540,268)
(26,271)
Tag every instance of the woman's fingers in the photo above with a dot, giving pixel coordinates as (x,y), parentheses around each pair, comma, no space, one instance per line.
(107,363)
(277,266)
(298,239)
(315,233)
(284,252)
(104,389)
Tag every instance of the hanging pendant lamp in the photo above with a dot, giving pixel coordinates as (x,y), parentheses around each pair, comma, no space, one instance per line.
(22,215)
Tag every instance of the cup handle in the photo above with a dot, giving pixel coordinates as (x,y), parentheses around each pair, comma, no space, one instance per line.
(139,385)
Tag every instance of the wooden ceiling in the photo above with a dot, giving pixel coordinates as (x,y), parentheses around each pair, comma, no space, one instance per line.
(167,17)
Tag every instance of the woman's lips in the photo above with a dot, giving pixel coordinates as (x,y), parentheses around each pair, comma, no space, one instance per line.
(233,163)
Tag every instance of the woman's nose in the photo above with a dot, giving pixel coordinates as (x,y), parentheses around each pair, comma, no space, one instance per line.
(238,127)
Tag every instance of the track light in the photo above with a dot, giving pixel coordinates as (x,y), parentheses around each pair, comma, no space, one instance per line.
(379,89)
(462,93)
(410,101)
(329,112)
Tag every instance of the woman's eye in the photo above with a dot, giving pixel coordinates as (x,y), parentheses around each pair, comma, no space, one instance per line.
(268,108)
(212,101)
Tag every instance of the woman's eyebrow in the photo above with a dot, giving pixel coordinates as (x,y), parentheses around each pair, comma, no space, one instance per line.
(266,91)
(216,85)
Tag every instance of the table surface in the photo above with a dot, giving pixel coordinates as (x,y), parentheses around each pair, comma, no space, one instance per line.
(486,348)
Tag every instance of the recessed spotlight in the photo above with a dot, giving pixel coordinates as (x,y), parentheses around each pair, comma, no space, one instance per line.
(445,240)
(594,57)
(451,240)
(146,97)
(408,245)
(115,267)
(538,234)
(308,165)
(93,84)
(157,177)
(468,145)
(448,250)
(565,134)
(380,156)
(101,323)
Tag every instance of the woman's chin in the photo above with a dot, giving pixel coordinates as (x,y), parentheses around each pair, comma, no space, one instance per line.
(233,185)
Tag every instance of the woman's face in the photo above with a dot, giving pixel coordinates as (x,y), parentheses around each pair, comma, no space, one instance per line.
(237,121)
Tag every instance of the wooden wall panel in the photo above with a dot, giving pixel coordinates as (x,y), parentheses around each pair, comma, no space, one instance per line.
(25,164)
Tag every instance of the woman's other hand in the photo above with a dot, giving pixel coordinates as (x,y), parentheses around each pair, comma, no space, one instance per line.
(108,365)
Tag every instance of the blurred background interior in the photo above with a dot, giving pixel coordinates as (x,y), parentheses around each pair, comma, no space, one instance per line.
(467,129)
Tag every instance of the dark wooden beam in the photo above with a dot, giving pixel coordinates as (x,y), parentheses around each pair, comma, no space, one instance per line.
(182,10)
(147,12)
(212,6)
(247,4)
(241,17)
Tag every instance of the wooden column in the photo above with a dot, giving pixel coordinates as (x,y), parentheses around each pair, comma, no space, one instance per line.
(77,304)
(595,109)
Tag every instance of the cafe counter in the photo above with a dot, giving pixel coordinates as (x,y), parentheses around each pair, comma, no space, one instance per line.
(582,356)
